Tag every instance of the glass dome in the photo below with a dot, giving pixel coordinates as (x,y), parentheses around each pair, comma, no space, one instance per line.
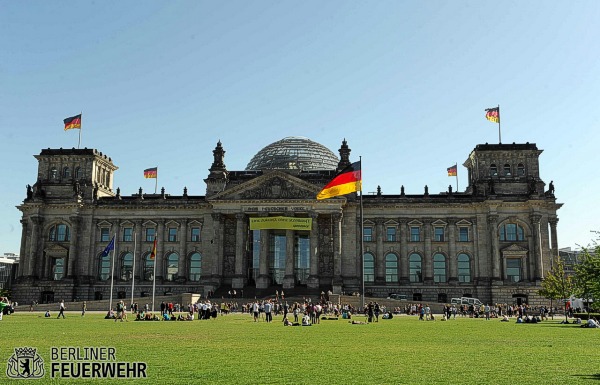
(294,153)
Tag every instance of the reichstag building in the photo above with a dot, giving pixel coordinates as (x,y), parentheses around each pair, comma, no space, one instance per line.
(493,241)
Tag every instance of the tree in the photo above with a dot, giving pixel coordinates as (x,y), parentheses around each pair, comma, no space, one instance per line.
(587,275)
(557,285)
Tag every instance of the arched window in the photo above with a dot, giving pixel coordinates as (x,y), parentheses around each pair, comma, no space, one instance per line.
(59,233)
(195,267)
(66,173)
(391,268)
(464,268)
(104,268)
(512,232)
(78,173)
(493,170)
(172,266)
(414,266)
(127,267)
(148,268)
(439,268)
(520,169)
(53,173)
(369,268)
(507,170)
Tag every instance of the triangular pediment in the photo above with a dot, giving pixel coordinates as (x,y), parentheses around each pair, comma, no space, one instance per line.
(514,250)
(56,249)
(273,185)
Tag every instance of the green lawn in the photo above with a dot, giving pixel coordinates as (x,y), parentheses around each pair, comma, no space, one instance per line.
(235,350)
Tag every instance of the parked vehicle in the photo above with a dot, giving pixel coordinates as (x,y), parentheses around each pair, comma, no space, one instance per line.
(466,301)
(401,297)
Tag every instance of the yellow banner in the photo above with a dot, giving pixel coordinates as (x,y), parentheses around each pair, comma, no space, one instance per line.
(280,223)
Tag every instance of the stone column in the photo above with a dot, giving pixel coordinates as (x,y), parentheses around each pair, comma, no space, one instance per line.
(403,235)
(537,251)
(22,250)
(73,258)
(313,279)
(452,258)
(554,237)
(160,250)
(137,257)
(288,279)
(337,252)
(476,257)
(36,264)
(379,258)
(239,280)
(492,220)
(263,281)
(218,250)
(427,265)
(182,271)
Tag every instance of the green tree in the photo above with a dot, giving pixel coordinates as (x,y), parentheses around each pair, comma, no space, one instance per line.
(557,285)
(587,275)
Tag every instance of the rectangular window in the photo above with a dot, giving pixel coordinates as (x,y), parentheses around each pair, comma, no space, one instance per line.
(368,234)
(513,269)
(415,234)
(195,234)
(463,234)
(104,234)
(128,234)
(172,234)
(438,234)
(391,234)
(150,232)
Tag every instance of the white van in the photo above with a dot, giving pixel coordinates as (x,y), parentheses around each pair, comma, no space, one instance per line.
(401,297)
(466,301)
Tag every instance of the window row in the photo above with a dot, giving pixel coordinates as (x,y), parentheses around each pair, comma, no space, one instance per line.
(508,170)
(440,268)
(124,267)
(150,234)
(66,173)
(439,234)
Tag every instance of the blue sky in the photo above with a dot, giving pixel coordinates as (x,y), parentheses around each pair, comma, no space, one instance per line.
(405,82)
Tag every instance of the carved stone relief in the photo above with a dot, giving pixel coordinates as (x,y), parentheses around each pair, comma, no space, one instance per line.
(277,188)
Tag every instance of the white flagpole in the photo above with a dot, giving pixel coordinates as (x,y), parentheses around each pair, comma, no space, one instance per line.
(456,166)
(499,132)
(154,275)
(80,127)
(112,272)
(362,243)
(133,267)
(156,182)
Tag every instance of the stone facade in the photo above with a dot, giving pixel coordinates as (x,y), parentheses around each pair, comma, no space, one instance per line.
(493,241)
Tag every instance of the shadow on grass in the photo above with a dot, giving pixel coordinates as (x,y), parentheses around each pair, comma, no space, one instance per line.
(588,376)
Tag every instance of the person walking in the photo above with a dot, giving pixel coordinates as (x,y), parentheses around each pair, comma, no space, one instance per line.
(83,308)
(61,309)
(4,302)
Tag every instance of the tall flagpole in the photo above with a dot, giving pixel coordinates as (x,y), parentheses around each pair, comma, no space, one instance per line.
(456,166)
(499,134)
(80,128)
(133,267)
(112,272)
(156,180)
(154,273)
(362,243)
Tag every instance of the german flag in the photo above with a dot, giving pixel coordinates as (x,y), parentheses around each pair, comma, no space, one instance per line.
(349,180)
(73,122)
(151,172)
(493,114)
(153,252)
(452,171)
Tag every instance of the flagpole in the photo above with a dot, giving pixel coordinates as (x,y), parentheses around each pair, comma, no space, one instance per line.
(362,244)
(80,125)
(154,275)
(112,272)
(156,180)
(133,267)
(456,166)
(499,133)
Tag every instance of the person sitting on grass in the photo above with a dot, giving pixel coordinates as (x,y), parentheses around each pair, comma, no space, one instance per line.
(355,322)
(591,323)
(504,318)
(286,322)
(47,315)
(306,320)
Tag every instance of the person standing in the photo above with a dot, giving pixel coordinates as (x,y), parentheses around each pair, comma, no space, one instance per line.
(61,309)
(83,308)
(4,302)
(268,309)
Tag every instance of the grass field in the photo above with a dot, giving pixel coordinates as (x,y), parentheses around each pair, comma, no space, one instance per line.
(235,350)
